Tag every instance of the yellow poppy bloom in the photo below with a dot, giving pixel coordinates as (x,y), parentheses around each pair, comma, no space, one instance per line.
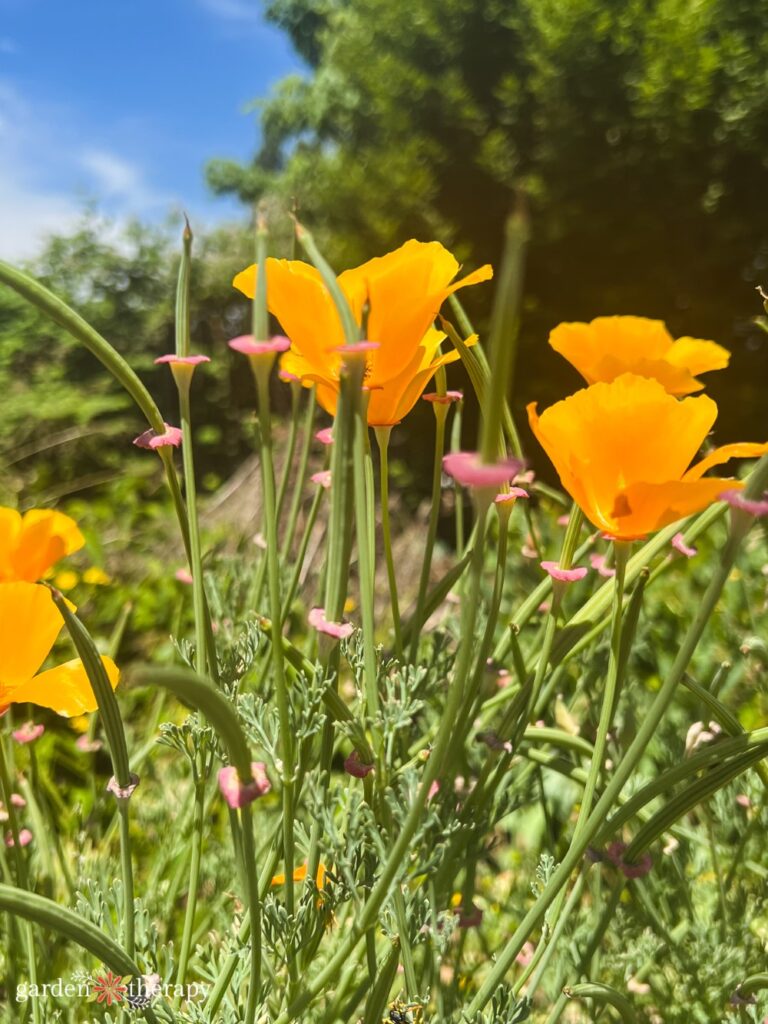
(29,625)
(611,345)
(623,450)
(300,873)
(402,293)
(31,544)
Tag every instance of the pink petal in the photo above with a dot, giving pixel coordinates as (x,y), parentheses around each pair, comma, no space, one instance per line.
(323,478)
(434,789)
(18,800)
(446,399)
(123,792)
(563,520)
(678,543)
(736,499)
(288,377)
(246,344)
(511,496)
(355,767)
(182,360)
(25,838)
(598,562)
(151,439)
(237,793)
(325,436)
(472,917)
(338,630)
(564,575)
(467,469)
(615,854)
(88,746)
(183,576)
(28,733)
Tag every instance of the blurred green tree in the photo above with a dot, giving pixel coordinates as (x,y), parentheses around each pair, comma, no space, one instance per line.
(637,128)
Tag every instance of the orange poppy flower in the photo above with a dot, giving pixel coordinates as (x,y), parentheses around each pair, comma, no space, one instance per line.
(29,625)
(31,544)
(611,345)
(403,292)
(300,874)
(623,450)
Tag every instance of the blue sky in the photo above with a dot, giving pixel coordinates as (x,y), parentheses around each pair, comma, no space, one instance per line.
(122,102)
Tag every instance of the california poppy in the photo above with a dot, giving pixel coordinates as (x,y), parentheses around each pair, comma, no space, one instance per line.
(399,295)
(29,625)
(611,345)
(623,450)
(31,544)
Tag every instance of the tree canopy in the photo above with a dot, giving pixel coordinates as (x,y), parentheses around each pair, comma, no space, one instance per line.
(638,131)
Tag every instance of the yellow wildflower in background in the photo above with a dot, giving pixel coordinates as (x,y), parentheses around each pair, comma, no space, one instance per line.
(609,346)
(622,451)
(399,294)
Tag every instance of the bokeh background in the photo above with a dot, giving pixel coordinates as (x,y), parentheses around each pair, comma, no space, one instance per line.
(638,130)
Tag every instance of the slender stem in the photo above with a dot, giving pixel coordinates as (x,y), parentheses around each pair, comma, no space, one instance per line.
(648,727)
(195,550)
(382,437)
(298,487)
(196,846)
(281,689)
(254,913)
(434,516)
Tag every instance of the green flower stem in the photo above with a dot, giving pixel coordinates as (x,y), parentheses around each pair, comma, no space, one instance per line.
(254,913)
(441,411)
(502,341)
(298,566)
(432,769)
(382,437)
(458,493)
(196,558)
(118,749)
(411,984)
(261,370)
(22,879)
(363,515)
(648,727)
(545,950)
(38,909)
(301,476)
(193,883)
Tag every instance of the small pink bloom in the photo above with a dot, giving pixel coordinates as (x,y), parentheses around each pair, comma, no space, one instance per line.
(246,344)
(338,630)
(288,377)
(736,499)
(615,854)
(355,767)
(525,955)
(503,679)
(25,838)
(323,478)
(28,733)
(527,550)
(678,543)
(260,541)
(18,800)
(544,607)
(123,792)
(467,469)
(172,358)
(598,562)
(564,575)
(238,793)
(446,399)
(563,520)
(183,576)
(87,746)
(434,789)
(510,497)
(358,346)
(471,917)
(743,801)
(151,439)
(325,436)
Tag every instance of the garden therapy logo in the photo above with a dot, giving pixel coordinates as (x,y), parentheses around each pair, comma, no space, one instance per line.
(110,989)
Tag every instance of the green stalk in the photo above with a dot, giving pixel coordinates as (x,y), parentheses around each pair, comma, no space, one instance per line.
(637,748)
(434,765)
(6,789)
(382,437)
(298,489)
(458,493)
(441,411)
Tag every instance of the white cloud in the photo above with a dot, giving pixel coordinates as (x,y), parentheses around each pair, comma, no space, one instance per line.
(46,176)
